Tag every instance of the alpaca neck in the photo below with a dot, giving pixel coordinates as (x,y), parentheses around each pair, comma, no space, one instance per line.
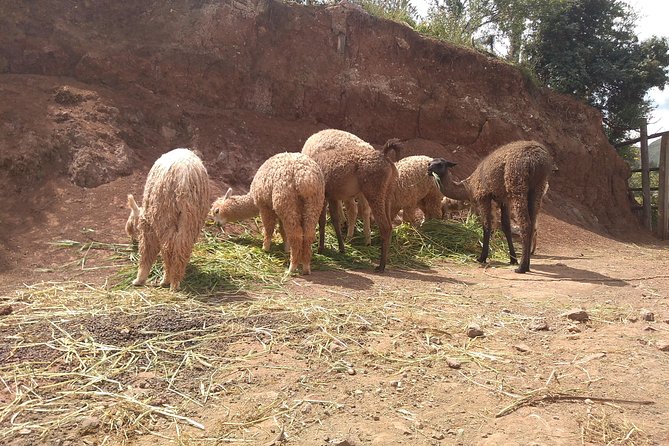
(244,208)
(457,190)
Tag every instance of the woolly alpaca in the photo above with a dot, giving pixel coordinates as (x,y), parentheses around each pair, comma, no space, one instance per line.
(231,208)
(331,139)
(175,205)
(414,190)
(515,177)
(289,186)
(351,167)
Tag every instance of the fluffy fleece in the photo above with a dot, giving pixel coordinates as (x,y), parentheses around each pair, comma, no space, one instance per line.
(515,177)
(289,187)
(415,190)
(174,207)
(351,166)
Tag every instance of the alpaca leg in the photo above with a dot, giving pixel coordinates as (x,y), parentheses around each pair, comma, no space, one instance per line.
(351,217)
(366,219)
(522,208)
(533,246)
(337,226)
(149,247)
(485,209)
(295,239)
(307,241)
(286,246)
(381,212)
(268,218)
(321,229)
(506,228)
(535,211)
(175,258)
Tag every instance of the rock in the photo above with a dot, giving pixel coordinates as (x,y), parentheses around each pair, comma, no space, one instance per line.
(540,325)
(474,331)
(522,348)
(438,436)
(350,371)
(576,314)
(573,329)
(306,408)
(647,315)
(6,310)
(89,425)
(662,346)
(453,363)
(345,442)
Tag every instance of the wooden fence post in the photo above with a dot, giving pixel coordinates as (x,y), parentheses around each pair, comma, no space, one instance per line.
(663,202)
(645,176)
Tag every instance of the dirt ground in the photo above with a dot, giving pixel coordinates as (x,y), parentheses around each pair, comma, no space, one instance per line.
(397,365)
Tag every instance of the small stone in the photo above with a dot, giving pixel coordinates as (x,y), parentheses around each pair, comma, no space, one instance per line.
(663,346)
(453,363)
(350,371)
(576,314)
(358,392)
(647,315)
(6,310)
(540,325)
(89,425)
(523,348)
(474,331)
(306,408)
(438,436)
(396,384)
(376,418)
(25,431)
(345,442)
(573,329)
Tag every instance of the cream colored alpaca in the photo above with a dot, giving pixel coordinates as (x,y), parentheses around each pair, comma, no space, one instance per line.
(174,207)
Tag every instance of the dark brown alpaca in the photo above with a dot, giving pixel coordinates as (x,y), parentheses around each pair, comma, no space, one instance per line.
(515,177)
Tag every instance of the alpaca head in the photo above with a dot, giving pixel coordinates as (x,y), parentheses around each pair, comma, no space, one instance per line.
(132,225)
(220,210)
(438,169)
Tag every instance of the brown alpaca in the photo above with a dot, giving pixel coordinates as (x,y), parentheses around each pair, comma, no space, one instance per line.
(290,187)
(515,177)
(323,142)
(175,205)
(351,167)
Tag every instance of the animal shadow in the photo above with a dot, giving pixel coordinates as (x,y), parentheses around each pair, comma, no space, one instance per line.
(564,272)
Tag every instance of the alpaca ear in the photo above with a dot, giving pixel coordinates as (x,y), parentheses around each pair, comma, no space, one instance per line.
(227,194)
(132,204)
(450,163)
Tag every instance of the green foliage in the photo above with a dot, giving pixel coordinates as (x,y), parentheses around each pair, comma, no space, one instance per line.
(458,21)
(588,49)
(397,10)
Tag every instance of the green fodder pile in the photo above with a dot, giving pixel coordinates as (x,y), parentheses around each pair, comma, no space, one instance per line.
(236,262)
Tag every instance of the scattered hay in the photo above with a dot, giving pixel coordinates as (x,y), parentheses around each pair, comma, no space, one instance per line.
(608,429)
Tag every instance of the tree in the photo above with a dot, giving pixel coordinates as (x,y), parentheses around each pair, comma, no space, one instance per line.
(588,48)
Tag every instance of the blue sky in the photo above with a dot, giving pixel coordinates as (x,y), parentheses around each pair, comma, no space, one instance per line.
(653,21)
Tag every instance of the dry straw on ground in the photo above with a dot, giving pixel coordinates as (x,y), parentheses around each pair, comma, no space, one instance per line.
(117,362)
